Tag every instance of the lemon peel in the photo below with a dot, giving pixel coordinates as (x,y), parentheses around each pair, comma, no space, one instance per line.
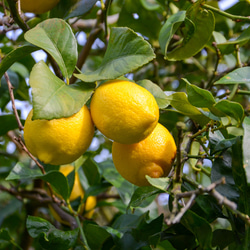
(124,111)
(152,156)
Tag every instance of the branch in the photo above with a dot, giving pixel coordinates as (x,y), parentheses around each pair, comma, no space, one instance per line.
(10,87)
(225,14)
(86,50)
(222,200)
(15,12)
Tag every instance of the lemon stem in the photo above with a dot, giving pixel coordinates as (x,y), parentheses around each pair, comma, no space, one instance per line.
(82,233)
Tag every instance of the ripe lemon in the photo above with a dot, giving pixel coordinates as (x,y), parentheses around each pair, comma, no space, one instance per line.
(59,141)
(153,157)
(124,111)
(38,6)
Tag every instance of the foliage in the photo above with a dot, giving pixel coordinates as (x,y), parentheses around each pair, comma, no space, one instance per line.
(194,58)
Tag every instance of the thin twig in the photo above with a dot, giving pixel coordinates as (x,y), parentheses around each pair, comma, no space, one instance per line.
(225,14)
(10,87)
(86,50)
(218,53)
(13,4)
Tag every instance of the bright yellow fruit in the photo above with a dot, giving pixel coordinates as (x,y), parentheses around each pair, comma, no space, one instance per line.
(59,141)
(124,111)
(153,157)
(38,6)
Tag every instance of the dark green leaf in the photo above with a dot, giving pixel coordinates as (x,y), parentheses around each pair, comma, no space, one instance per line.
(8,122)
(229,46)
(49,237)
(246,146)
(80,8)
(180,102)
(238,76)
(198,97)
(91,172)
(109,172)
(223,145)
(21,171)
(59,183)
(199,227)
(126,52)
(141,194)
(229,108)
(222,238)
(55,178)
(96,235)
(5,236)
(136,16)
(222,167)
(169,28)
(156,91)
(196,38)
(15,55)
(56,37)
(62,100)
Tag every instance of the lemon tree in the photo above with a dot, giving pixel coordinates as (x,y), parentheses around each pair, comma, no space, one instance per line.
(138,135)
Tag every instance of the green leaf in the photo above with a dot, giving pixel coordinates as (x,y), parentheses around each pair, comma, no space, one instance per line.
(229,108)
(196,38)
(228,47)
(180,102)
(224,144)
(246,146)
(141,194)
(96,236)
(59,183)
(222,167)
(49,237)
(8,122)
(5,236)
(222,238)
(80,8)
(238,76)
(56,37)
(21,171)
(14,56)
(156,91)
(136,16)
(199,97)
(160,183)
(55,178)
(91,172)
(199,227)
(109,172)
(61,100)
(169,29)
(126,52)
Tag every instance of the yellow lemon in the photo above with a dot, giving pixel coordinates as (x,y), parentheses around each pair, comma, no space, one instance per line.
(124,111)
(38,6)
(153,157)
(59,141)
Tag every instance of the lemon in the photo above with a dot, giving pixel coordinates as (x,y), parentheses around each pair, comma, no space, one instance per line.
(152,156)
(38,6)
(59,141)
(124,111)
